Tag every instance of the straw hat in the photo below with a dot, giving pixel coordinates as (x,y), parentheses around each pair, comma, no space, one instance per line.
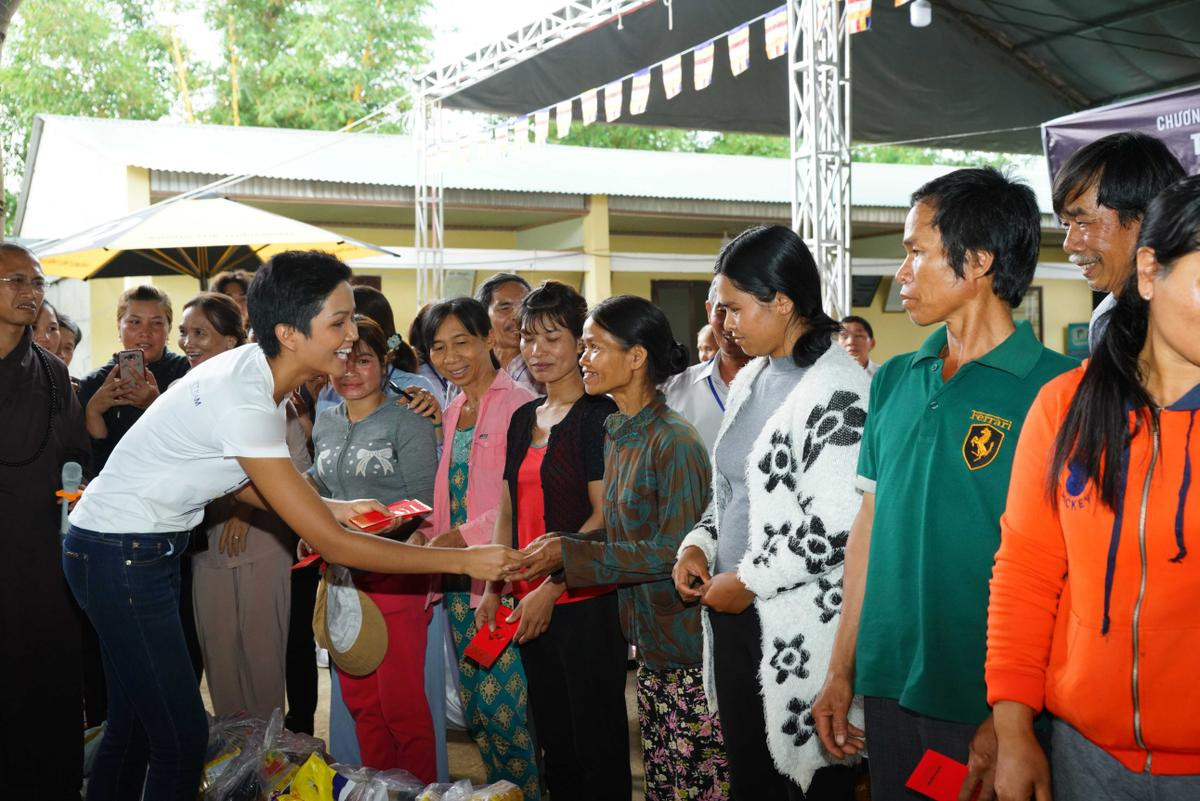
(348,624)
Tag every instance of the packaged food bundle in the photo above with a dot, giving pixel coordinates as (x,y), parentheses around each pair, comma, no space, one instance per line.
(459,791)
(267,760)
(368,784)
(499,791)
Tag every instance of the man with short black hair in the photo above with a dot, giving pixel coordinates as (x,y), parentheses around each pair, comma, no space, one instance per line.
(858,338)
(933,469)
(1100,195)
(502,294)
(40,677)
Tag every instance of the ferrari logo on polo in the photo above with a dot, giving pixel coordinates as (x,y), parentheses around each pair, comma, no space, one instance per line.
(984,439)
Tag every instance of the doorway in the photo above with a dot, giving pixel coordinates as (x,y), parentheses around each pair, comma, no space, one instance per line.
(683,303)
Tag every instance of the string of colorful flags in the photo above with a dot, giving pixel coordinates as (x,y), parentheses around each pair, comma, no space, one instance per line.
(516,133)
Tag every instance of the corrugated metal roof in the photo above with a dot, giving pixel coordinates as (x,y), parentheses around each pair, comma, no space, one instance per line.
(389,160)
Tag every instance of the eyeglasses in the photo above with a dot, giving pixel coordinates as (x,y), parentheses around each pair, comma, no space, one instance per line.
(20,282)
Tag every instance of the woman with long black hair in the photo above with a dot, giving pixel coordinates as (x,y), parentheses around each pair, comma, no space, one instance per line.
(1093,612)
(766,561)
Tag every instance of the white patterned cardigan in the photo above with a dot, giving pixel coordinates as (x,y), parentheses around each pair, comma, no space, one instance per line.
(802,501)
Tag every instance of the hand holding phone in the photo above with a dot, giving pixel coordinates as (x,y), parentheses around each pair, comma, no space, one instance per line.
(132,364)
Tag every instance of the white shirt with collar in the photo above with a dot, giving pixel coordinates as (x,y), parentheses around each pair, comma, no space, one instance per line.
(871,367)
(698,395)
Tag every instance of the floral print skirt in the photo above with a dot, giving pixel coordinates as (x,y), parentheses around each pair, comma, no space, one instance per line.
(681,740)
(495,703)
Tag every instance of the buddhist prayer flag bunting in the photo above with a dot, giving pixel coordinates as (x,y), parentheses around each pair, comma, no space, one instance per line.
(739,49)
(639,94)
(702,64)
(521,131)
(858,15)
(541,126)
(672,75)
(562,118)
(776,29)
(587,101)
(612,101)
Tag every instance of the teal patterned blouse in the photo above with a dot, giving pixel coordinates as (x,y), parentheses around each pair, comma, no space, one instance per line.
(459,456)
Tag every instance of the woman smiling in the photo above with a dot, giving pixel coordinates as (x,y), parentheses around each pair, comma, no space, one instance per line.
(466,503)
(570,639)
(656,486)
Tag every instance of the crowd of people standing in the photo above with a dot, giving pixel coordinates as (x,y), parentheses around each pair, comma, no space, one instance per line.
(824,566)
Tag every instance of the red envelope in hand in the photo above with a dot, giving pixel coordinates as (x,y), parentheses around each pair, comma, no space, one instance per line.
(486,645)
(407,509)
(372,521)
(937,776)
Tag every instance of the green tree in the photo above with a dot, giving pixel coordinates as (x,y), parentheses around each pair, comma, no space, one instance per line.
(318,64)
(99,58)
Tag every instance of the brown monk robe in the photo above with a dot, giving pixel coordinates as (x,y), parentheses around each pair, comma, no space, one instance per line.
(41,428)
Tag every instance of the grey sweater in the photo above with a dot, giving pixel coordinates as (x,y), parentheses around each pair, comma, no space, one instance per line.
(391,455)
(770,387)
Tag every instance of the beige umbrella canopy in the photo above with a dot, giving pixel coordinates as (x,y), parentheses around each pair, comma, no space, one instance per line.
(198,236)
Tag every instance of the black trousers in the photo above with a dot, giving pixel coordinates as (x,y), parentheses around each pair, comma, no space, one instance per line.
(301,652)
(576,674)
(737,652)
(897,739)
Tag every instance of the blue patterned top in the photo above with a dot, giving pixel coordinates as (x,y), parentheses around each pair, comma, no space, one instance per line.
(459,456)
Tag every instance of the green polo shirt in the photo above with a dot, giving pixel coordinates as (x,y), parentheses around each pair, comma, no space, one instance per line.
(937,454)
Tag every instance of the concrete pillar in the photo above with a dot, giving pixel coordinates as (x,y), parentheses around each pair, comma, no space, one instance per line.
(597,276)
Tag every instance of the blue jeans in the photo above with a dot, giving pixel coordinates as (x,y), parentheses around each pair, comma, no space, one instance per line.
(157,727)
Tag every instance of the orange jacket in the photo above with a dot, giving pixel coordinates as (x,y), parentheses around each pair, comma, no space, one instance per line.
(1064,570)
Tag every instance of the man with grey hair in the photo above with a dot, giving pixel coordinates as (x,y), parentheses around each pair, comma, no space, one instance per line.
(698,393)
(41,689)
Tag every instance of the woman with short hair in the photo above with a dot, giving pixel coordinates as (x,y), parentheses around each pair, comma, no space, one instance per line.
(570,639)
(656,486)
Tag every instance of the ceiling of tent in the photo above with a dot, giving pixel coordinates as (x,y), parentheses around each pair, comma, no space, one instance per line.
(982,66)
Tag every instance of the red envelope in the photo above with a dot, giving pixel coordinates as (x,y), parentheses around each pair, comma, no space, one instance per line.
(372,521)
(306,561)
(485,647)
(938,776)
(406,509)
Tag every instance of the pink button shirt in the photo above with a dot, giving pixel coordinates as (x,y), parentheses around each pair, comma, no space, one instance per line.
(485,465)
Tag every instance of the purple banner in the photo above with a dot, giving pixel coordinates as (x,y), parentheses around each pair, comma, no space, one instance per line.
(1173,117)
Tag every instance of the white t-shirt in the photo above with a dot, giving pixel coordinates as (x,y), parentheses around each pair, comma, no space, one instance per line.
(181,454)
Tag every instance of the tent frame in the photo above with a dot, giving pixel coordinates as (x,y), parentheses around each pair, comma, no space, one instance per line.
(819,115)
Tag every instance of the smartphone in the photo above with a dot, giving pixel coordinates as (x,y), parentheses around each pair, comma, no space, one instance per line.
(131,363)
(394,387)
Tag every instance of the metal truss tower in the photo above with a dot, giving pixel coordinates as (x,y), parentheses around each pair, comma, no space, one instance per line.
(819,113)
(428,202)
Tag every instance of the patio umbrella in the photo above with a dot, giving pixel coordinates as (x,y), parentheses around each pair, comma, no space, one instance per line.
(198,236)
